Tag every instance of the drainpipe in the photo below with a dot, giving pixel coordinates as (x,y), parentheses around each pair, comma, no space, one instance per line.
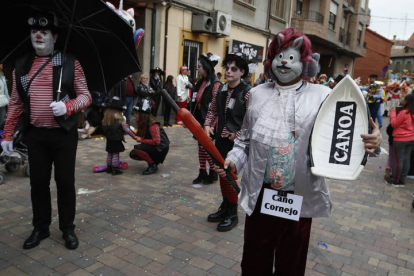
(166,34)
(153,23)
(269,7)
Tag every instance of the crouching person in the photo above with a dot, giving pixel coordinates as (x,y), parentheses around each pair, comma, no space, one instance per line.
(154,142)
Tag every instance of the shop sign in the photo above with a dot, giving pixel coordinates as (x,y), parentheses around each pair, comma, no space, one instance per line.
(252,52)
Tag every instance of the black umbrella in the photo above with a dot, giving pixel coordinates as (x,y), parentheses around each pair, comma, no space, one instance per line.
(100,39)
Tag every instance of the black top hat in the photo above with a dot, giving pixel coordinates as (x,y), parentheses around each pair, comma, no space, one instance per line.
(157,69)
(212,59)
(143,105)
(44,20)
(373,76)
(242,58)
(116,103)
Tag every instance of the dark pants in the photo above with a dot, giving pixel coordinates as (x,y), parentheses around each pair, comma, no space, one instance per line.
(167,112)
(403,152)
(274,242)
(58,147)
(129,102)
(157,100)
(224,145)
(373,109)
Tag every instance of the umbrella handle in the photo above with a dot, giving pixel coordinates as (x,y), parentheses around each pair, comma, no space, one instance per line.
(60,85)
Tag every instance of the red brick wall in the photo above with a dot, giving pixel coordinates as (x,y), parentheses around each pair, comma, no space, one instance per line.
(377,56)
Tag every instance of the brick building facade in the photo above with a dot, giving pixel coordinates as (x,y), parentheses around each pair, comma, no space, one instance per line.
(377,56)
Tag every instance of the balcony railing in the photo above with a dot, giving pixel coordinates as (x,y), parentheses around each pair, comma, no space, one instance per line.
(309,15)
(350,2)
(341,35)
(348,38)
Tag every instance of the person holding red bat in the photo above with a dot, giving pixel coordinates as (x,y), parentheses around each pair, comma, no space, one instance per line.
(203,93)
(273,150)
(229,106)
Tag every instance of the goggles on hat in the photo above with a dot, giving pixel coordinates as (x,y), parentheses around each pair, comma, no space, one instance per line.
(42,21)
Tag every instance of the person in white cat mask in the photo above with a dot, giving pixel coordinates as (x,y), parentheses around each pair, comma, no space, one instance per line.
(273,150)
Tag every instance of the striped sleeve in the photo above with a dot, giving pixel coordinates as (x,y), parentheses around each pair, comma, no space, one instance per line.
(14,112)
(83,98)
(128,131)
(155,140)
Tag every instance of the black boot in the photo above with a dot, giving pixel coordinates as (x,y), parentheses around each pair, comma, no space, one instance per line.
(116,171)
(202,175)
(152,168)
(230,219)
(211,178)
(219,215)
(109,169)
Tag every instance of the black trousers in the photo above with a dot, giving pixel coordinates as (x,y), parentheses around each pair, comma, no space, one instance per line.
(167,112)
(58,147)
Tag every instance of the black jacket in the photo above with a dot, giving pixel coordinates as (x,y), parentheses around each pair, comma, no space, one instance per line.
(144,91)
(156,85)
(23,66)
(232,117)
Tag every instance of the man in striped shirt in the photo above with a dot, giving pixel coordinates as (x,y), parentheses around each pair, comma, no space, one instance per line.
(49,126)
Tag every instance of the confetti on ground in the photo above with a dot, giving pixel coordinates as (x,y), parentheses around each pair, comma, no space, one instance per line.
(197,186)
(83,191)
(165,175)
(324,244)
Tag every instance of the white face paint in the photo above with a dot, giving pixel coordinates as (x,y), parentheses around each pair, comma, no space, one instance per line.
(233,73)
(201,70)
(43,41)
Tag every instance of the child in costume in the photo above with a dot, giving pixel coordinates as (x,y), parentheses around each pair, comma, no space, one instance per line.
(273,149)
(154,141)
(114,126)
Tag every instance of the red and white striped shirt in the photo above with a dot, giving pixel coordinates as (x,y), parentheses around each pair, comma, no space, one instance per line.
(41,96)
(212,114)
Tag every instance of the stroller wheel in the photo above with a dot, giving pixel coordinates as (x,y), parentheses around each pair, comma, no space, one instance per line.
(2,178)
(26,171)
(12,167)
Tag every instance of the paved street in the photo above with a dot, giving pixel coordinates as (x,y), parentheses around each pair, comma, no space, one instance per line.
(156,225)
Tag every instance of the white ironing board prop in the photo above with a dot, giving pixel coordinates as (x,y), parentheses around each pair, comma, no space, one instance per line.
(337,150)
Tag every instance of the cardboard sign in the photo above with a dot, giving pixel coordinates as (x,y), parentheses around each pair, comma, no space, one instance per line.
(278,206)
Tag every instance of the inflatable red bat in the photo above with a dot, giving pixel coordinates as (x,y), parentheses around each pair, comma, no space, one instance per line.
(195,128)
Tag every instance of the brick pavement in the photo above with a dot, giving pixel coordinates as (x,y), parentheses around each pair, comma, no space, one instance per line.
(156,225)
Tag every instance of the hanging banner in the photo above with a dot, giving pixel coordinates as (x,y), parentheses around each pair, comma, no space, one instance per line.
(252,52)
